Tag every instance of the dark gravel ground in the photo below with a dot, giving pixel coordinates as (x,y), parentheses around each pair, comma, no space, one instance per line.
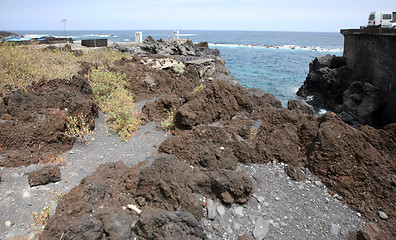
(18,200)
(282,208)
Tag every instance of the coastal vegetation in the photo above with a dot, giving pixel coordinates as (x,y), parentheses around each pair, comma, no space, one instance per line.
(199,88)
(169,123)
(41,218)
(113,98)
(78,126)
(23,66)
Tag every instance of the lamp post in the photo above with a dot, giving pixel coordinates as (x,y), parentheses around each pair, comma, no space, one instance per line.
(64,25)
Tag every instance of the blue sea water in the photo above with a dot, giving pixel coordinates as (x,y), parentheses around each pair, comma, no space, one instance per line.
(277,62)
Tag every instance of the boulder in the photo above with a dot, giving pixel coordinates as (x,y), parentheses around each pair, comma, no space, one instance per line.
(246,236)
(161,224)
(231,187)
(48,174)
(301,107)
(295,173)
(370,232)
(362,105)
(327,79)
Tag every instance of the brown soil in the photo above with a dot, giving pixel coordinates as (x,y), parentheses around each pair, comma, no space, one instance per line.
(33,123)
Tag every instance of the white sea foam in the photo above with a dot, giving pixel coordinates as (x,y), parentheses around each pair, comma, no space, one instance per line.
(309,98)
(46,35)
(187,34)
(100,35)
(288,47)
(127,39)
(322,111)
(36,35)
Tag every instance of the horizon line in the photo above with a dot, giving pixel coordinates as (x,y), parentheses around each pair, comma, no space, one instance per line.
(220,30)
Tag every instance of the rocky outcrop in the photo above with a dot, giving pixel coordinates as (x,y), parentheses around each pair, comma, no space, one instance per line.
(215,128)
(94,208)
(205,60)
(4,34)
(357,86)
(327,79)
(332,83)
(39,117)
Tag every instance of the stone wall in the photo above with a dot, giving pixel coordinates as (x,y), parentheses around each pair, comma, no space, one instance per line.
(371,54)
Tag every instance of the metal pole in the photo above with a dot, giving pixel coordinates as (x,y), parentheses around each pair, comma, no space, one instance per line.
(64,25)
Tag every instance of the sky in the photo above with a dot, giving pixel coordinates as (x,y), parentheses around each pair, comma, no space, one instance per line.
(249,15)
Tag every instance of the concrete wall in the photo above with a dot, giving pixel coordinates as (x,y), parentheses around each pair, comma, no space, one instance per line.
(371,53)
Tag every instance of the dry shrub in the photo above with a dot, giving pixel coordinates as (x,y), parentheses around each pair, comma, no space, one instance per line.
(109,90)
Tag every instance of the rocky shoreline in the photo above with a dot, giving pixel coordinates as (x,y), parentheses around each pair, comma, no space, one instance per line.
(216,129)
(335,85)
(358,85)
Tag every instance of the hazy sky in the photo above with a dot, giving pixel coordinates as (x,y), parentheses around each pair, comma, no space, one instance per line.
(273,15)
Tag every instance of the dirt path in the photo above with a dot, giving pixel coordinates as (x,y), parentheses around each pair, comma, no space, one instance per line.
(18,200)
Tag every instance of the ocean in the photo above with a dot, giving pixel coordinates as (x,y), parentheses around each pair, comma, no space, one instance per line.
(277,62)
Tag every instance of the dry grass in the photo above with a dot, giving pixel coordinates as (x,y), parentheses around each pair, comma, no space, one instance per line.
(22,66)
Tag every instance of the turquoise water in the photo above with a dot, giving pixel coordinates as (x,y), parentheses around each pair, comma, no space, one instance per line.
(277,62)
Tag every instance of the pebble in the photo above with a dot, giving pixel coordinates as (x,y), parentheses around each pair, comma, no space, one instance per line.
(261,228)
(335,229)
(9,192)
(382,215)
(338,197)
(238,212)
(275,225)
(25,194)
(260,199)
(220,210)
(7,224)
(237,226)
(318,183)
(211,209)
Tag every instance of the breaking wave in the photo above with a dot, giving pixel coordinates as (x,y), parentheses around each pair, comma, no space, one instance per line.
(289,47)
(100,35)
